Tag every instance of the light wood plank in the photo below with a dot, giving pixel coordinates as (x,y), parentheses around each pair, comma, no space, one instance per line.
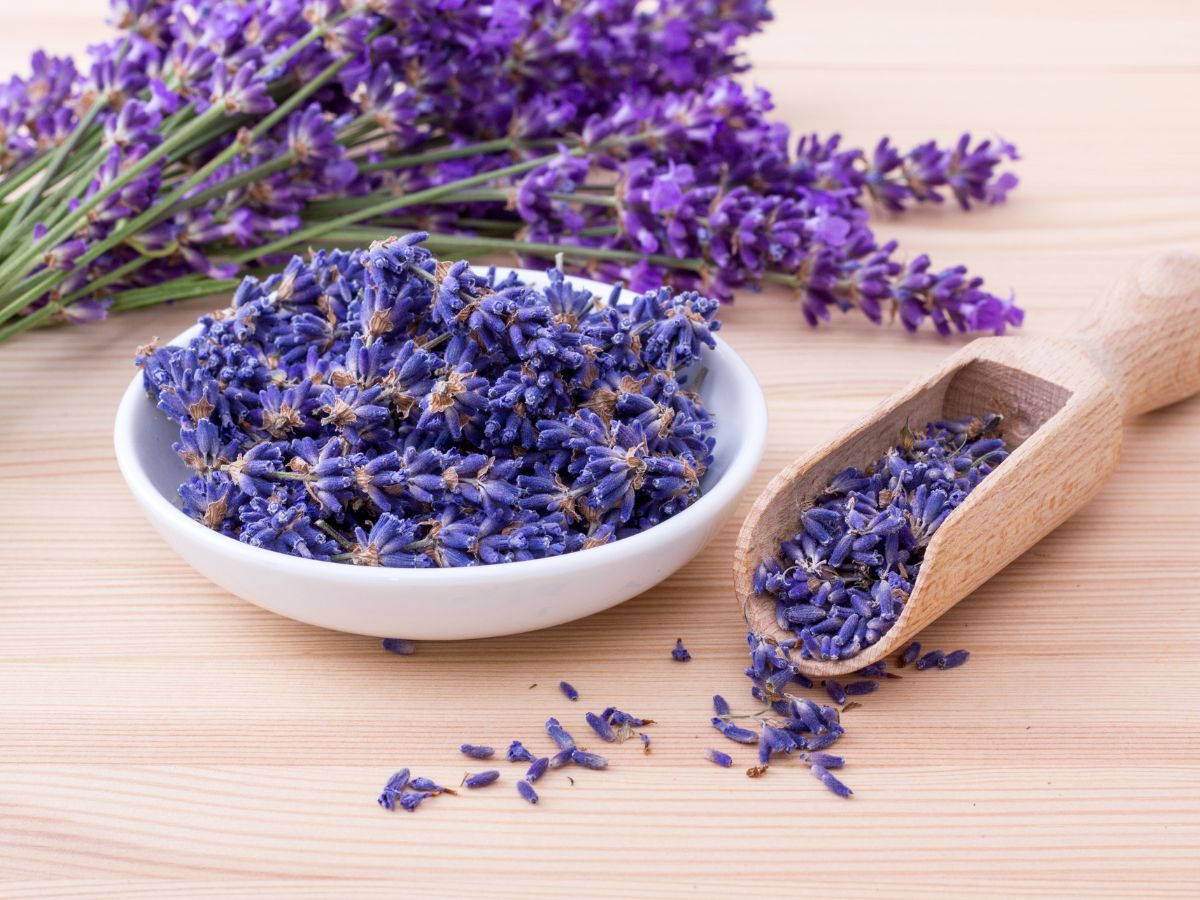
(161,738)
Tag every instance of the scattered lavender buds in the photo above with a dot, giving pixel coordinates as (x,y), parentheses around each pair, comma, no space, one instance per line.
(568,690)
(380,408)
(680,652)
(842,581)
(399,646)
(859,688)
(482,779)
(721,759)
(408,793)
(477,752)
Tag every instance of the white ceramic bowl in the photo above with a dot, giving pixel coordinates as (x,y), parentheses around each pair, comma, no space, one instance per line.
(451,604)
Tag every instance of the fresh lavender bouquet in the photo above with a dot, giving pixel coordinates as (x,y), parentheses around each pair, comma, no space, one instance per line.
(213,139)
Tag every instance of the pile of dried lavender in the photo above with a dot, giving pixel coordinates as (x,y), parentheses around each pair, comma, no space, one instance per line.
(382,408)
(842,581)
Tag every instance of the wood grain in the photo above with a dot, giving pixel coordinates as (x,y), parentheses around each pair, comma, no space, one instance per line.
(161,738)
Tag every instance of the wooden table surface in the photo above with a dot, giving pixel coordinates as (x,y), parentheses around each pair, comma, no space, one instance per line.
(159,737)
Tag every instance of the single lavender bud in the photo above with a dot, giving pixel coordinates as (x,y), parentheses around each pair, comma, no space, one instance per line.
(910,654)
(525,789)
(721,759)
(680,653)
(518,753)
(930,660)
(482,779)
(826,778)
(588,760)
(835,691)
(538,769)
(568,690)
(559,735)
(720,705)
(601,727)
(859,688)
(477,751)
(561,758)
(399,646)
(954,659)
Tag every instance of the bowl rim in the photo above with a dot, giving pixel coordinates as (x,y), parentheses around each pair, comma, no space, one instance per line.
(741,467)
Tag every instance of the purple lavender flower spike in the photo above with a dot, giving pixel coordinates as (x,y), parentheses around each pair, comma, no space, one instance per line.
(721,759)
(482,779)
(568,690)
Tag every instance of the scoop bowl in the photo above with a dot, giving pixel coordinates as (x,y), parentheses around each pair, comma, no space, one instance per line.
(452,603)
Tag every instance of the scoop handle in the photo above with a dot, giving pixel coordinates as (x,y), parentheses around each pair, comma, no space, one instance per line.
(1146,333)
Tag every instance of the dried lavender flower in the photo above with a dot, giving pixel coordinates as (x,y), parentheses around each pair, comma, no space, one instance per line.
(859,688)
(826,760)
(538,769)
(568,690)
(826,778)
(680,653)
(399,646)
(930,660)
(482,779)
(588,760)
(720,705)
(561,758)
(525,789)
(517,753)
(645,741)
(954,659)
(716,756)
(562,739)
(734,732)
(910,654)
(601,727)
(477,751)
(836,692)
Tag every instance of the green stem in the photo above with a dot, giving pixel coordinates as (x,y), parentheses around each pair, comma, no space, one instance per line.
(35,318)
(56,160)
(14,269)
(13,180)
(318,229)
(179,289)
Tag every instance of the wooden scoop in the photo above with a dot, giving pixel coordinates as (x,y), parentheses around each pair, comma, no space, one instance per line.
(1062,399)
